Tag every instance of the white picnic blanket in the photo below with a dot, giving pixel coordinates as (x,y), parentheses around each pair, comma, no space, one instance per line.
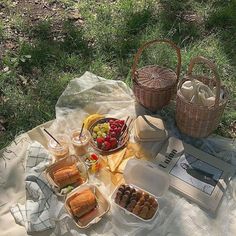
(177,216)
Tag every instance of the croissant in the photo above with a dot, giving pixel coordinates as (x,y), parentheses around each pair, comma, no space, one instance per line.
(82,203)
(67,175)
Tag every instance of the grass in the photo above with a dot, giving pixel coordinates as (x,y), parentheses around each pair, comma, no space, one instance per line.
(41,67)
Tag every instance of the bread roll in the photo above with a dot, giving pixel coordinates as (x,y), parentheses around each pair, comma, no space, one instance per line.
(82,203)
(67,175)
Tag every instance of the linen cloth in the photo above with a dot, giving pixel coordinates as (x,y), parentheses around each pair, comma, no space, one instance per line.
(198,93)
(177,216)
(35,215)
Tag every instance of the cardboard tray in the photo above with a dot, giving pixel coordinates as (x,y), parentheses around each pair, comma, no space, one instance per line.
(93,217)
(72,159)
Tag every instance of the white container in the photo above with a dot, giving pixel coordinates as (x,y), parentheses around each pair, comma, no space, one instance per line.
(144,176)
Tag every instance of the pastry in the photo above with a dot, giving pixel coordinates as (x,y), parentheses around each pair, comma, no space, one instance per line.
(82,203)
(67,175)
(138,202)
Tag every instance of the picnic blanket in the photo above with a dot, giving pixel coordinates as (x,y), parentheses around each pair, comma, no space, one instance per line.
(177,216)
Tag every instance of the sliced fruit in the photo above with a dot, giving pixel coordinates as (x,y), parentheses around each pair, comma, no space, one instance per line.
(91,119)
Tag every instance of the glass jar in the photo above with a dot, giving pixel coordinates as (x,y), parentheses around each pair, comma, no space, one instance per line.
(80,144)
(59,151)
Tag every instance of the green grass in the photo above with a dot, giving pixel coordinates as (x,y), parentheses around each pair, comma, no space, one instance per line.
(105,45)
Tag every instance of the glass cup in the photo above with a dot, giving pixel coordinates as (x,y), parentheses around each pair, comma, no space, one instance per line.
(59,151)
(80,144)
(92,161)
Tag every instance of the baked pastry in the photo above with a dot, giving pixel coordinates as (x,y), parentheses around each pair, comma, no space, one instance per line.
(138,202)
(149,128)
(82,203)
(67,175)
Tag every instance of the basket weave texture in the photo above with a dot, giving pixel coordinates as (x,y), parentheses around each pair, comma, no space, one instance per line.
(154,85)
(196,120)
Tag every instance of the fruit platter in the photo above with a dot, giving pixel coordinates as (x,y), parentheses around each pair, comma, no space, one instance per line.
(109,135)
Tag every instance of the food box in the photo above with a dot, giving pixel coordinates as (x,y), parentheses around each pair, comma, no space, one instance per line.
(67,162)
(149,128)
(144,179)
(94,215)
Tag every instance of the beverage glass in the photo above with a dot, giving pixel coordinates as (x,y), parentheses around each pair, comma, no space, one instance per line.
(80,144)
(59,151)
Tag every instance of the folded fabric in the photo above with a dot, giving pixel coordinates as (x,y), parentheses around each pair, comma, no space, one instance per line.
(198,93)
(35,214)
(114,160)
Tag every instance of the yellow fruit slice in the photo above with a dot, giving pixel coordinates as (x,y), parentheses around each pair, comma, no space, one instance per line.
(91,119)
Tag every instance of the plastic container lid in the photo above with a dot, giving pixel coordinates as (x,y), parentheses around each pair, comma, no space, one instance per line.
(146,176)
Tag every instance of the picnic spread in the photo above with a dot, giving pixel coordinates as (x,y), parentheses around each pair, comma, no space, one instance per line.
(91,170)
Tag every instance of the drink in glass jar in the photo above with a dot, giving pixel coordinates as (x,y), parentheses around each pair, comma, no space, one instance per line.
(61,150)
(80,144)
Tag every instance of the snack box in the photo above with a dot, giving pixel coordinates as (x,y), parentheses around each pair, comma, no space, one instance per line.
(68,161)
(96,214)
(147,179)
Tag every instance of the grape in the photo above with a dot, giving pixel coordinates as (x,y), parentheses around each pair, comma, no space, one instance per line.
(103,130)
(94,135)
(96,129)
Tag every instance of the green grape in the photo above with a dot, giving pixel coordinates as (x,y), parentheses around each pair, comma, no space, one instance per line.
(94,135)
(96,129)
(103,129)
(99,133)
(104,135)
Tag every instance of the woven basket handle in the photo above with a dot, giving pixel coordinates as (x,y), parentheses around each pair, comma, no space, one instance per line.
(212,66)
(140,50)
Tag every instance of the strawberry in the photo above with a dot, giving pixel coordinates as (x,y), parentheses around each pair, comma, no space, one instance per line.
(107,138)
(113,134)
(121,122)
(113,127)
(114,142)
(100,140)
(118,130)
(107,145)
(94,157)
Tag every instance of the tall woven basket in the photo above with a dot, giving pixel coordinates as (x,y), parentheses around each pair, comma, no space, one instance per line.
(196,120)
(154,85)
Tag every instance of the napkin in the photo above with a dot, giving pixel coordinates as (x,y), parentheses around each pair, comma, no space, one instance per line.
(41,204)
(198,93)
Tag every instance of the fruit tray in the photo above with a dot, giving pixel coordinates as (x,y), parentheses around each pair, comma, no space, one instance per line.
(109,135)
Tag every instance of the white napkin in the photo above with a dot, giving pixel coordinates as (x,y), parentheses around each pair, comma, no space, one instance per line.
(38,211)
(198,93)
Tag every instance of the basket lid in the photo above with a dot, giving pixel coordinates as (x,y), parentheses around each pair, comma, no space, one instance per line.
(146,176)
(155,77)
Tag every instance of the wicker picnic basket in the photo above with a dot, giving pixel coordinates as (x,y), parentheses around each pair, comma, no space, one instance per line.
(196,120)
(154,85)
